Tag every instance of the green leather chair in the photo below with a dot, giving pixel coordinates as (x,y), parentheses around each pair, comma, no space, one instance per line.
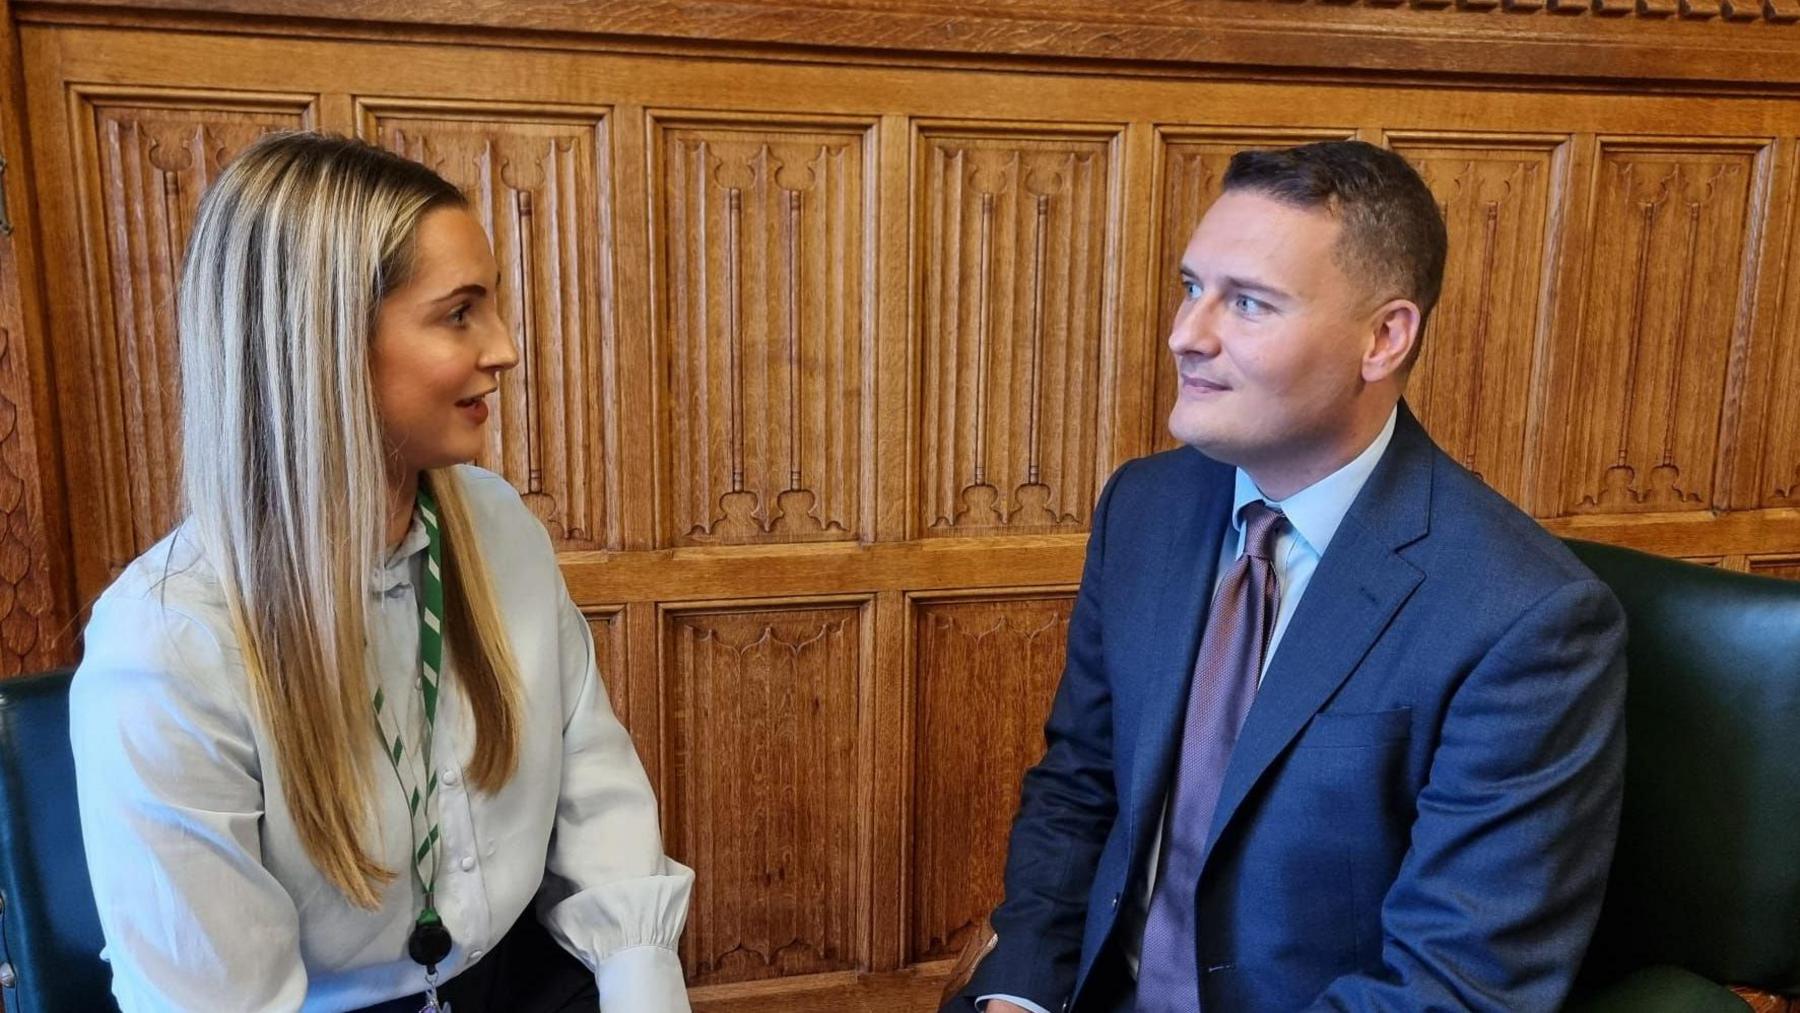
(49,931)
(1705,887)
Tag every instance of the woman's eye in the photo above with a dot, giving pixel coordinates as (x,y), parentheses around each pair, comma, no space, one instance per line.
(460,315)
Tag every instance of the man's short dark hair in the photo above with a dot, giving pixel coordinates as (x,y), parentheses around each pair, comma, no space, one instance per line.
(1393,236)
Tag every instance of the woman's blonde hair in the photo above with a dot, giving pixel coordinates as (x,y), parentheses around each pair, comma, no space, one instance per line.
(285,476)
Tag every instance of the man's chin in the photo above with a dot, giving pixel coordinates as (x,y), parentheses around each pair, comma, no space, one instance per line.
(1187,425)
(1204,439)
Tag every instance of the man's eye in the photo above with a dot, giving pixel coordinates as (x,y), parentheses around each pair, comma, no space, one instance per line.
(1191,288)
(1249,306)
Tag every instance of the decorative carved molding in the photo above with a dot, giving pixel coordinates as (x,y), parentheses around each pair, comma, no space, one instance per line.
(985,672)
(1664,283)
(31,637)
(1012,247)
(1472,383)
(765,281)
(1193,163)
(152,161)
(540,183)
(763,756)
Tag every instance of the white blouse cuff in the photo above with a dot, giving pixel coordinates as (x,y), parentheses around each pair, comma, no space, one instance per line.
(646,978)
(625,914)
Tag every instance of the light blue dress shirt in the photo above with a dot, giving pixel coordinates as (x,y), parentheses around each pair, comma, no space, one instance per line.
(1314,515)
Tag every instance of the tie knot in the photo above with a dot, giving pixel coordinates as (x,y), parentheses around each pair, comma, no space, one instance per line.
(1260,521)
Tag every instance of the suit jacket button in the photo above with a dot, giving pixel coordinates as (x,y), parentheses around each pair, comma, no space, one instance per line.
(1115,902)
(1065,1006)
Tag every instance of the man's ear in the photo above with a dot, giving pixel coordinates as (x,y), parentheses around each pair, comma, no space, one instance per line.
(1393,334)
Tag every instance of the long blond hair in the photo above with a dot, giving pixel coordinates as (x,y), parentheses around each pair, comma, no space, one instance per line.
(284,472)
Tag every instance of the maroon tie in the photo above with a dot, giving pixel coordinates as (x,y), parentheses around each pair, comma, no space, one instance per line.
(1226,672)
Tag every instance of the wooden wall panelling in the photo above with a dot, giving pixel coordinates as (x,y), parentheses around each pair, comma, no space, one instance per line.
(763,232)
(539,180)
(1140,291)
(1016,240)
(640,625)
(1703,40)
(611,656)
(1752,355)
(640,394)
(141,158)
(1191,163)
(1473,384)
(1642,398)
(897,380)
(885,784)
(1774,477)
(1785,566)
(765,740)
(1559,348)
(983,670)
(35,565)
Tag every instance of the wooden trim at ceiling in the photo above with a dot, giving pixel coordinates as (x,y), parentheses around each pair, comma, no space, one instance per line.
(1731,42)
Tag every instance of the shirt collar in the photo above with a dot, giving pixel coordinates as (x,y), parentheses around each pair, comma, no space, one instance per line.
(1316,511)
(396,569)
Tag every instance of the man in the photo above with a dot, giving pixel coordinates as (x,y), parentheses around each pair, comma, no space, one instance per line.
(1340,728)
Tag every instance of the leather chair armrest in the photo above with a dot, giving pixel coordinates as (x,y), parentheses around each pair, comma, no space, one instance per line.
(1661,988)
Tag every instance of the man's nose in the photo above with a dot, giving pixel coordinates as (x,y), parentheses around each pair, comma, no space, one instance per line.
(1196,328)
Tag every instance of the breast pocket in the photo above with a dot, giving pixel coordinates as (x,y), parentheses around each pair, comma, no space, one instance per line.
(1351,729)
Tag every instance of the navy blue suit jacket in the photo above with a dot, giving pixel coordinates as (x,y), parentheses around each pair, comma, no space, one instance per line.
(1421,808)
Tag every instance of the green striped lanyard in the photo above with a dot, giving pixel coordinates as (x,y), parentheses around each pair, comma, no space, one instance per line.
(430,942)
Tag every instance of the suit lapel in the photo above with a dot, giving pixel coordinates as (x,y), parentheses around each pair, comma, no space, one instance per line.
(1182,598)
(1360,583)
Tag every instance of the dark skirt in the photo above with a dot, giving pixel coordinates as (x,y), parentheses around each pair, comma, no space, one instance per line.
(526,973)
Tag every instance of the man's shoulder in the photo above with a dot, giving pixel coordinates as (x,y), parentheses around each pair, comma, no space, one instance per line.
(1480,534)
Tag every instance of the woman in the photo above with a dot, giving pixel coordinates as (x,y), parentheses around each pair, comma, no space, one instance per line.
(337,730)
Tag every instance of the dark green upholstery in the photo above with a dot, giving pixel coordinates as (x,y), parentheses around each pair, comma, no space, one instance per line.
(1662,988)
(1707,874)
(51,931)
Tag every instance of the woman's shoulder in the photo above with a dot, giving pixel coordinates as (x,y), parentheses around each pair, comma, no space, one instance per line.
(161,628)
(488,491)
(506,524)
(174,579)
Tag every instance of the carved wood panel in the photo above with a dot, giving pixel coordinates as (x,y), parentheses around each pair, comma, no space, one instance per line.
(151,159)
(1192,163)
(761,789)
(540,183)
(1472,384)
(984,671)
(35,564)
(31,619)
(1012,241)
(1778,475)
(1664,282)
(764,334)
